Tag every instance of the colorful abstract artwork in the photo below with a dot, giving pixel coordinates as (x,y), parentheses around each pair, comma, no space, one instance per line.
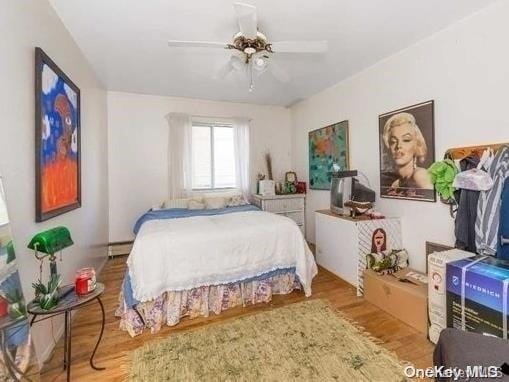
(58,188)
(328,146)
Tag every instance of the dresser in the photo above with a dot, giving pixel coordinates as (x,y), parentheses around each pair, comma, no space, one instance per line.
(342,243)
(290,205)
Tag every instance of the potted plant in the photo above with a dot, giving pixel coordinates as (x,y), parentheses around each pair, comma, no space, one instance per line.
(47,296)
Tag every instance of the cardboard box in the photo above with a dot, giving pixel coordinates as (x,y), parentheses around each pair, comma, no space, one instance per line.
(437,304)
(477,295)
(405,301)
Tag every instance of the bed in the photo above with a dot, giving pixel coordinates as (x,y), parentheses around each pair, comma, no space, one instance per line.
(192,262)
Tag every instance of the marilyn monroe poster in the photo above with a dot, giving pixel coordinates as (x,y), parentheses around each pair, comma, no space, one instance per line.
(407,149)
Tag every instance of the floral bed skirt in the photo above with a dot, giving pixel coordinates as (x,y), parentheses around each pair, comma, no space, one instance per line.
(170,307)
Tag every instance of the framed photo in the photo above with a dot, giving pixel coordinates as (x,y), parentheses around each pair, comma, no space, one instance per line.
(407,149)
(291,177)
(57,140)
(328,146)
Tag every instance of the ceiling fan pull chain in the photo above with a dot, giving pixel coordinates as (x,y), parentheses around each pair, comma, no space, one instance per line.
(251,82)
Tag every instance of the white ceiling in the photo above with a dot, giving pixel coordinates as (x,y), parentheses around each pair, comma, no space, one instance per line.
(126,41)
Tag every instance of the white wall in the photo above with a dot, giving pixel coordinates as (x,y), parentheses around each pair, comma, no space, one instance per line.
(138,147)
(25,24)
(464,68)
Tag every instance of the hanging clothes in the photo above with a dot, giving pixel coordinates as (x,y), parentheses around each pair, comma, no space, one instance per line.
(503,229)
(488,207)
(464,225)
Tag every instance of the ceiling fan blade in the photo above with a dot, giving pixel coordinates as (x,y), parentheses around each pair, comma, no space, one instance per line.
(196,44)
(299,47)
(246,17)
(225,70)
(278,72)
(234,64)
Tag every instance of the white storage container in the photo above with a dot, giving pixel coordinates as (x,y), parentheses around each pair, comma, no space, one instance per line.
(437,308)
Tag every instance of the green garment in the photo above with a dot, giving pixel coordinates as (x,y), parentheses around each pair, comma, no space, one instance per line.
(442,175)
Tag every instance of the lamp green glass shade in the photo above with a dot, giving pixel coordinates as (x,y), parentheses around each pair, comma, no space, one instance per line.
(51,241)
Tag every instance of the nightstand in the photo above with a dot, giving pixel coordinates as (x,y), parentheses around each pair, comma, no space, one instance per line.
(289,205)
(65,306)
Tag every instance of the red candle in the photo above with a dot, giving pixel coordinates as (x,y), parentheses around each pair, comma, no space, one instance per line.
(85,281)
(3,307)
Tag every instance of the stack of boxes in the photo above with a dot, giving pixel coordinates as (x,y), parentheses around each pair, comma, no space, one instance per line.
(402,294)
(477,295)
(467,292)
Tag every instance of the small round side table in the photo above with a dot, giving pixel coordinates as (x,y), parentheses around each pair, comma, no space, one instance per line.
(65,306)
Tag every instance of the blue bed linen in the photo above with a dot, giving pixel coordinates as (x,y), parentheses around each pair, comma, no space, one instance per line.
(131,302)
(177,213)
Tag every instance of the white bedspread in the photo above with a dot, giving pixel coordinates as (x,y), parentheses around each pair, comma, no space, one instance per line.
(179,254)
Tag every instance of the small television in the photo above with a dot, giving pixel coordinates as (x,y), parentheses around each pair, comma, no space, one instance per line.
(346,187)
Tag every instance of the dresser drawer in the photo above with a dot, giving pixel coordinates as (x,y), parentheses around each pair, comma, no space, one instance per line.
(284,205)
(297,217)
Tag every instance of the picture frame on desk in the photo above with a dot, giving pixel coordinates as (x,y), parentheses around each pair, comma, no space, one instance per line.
(290,177)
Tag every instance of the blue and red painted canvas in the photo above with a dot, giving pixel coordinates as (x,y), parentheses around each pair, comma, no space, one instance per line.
(58,150)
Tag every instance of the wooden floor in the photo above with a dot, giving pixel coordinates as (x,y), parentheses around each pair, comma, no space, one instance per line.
(397,336)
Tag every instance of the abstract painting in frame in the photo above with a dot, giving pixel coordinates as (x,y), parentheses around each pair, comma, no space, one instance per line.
(57,132)
(328,146)
(407,149)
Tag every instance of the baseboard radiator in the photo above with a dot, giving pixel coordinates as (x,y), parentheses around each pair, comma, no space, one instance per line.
(119,248)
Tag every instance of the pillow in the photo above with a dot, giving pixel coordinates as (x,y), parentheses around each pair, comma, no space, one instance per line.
(157,207)
(176,203)
(237,200)
(215,203)
(222,194)
(195,204)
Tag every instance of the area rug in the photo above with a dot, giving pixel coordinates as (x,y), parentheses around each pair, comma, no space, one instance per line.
(306,341)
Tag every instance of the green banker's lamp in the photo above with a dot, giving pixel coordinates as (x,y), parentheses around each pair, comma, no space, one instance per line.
(49,243)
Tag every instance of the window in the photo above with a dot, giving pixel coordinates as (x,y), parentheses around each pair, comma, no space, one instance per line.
(213,156)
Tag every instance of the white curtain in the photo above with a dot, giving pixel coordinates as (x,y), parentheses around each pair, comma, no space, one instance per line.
(180,160)
(241,147)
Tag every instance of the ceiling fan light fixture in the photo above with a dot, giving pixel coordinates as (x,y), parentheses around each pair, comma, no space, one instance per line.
(259,64)
(249,50)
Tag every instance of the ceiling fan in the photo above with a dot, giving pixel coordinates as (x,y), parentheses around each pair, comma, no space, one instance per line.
(251,49)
